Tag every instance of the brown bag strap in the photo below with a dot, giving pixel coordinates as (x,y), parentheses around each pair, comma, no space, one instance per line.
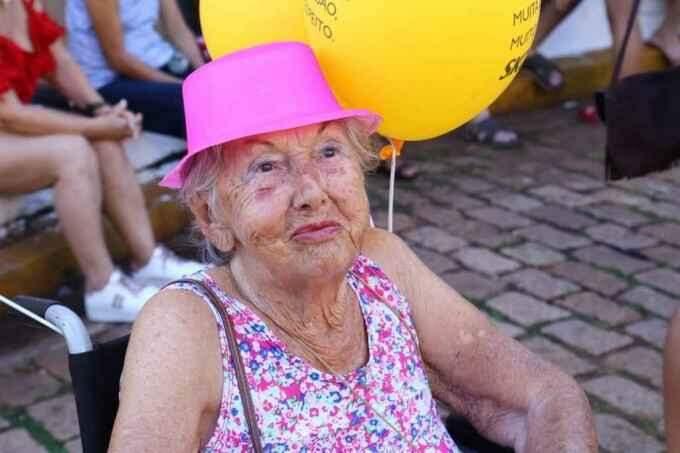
(237,360)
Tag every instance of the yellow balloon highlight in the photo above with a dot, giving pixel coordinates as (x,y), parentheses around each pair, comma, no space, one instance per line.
(231,25)
(427,66)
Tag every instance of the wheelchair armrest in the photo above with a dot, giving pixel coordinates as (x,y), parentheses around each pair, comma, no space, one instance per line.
(35,305)
(63,318)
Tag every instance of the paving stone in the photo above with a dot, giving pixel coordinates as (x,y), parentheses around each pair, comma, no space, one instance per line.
(561,196)
(627,396)
(534,254)
(652,301)
(22,388)
(58,415)
(652,331)
(663,210)
(513,201)
(405,197)
(620,237)
(566,360)
(435,238)
(434,261)
(510,330)
(541,284)
(608,258)
(473,230)
(663,279)
(499,217)
(74,446)
(667,232)
(457,200)
(589,277)
(593,306)
(584,336)
(440,216)
(617,214)
(525,310)
(55,361)
(497,240)
(618,436)
(642,362)
(560,217)
(485,261)
(402,221)
(474,286)
(18,440)
(617,196)
(553,237)
(582,183)
(664,254)
(472,185)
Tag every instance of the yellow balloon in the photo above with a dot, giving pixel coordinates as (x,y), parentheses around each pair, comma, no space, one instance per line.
(427,66)
(231,25)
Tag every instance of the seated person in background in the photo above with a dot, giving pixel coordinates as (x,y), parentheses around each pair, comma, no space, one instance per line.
(667,37)
(346,336)
(81,157)
(671,385)
(122,52)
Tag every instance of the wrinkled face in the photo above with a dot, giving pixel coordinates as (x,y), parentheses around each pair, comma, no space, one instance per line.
(295,200)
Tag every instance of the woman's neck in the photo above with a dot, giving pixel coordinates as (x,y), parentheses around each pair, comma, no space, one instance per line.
(319,318)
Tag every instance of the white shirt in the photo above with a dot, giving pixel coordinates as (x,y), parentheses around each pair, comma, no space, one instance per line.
(142,40)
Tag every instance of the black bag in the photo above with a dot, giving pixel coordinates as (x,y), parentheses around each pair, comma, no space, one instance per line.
(642,116)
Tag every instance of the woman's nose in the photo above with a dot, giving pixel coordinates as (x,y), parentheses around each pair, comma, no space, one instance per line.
(309,193)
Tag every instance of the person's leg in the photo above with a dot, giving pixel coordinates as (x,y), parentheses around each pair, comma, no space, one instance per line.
(667,37)
(552,14)
(485,129)
(619,14)
(159,102)
(671,385)
(68,163)
(124,201)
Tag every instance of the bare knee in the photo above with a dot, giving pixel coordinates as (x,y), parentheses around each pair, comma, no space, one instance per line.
(75,157)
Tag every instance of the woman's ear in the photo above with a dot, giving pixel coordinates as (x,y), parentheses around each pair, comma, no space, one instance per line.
(216,232)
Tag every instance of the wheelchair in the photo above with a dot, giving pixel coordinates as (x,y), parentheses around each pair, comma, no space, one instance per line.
(96,369)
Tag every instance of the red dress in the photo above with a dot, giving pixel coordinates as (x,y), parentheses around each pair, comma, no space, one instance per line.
(20,70)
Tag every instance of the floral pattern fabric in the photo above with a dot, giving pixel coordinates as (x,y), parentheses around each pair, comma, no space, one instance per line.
(302,409)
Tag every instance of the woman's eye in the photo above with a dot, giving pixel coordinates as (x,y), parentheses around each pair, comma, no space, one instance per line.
(265,167)
(329,151)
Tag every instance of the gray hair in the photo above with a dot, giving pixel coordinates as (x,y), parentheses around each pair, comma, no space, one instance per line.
(206,168)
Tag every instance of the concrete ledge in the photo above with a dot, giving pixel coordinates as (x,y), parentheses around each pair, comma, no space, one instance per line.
(584,75)
(38,264)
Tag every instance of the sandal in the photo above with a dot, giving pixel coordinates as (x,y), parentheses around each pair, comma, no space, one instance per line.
(546,74)
(490,132)
(406,171)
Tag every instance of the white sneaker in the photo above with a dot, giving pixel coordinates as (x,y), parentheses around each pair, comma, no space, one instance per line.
(164,267)
(120,300)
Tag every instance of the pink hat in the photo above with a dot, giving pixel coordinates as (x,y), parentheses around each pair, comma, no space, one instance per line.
(263,89)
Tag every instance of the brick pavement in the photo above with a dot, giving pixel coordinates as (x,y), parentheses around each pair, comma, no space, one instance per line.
(582,273)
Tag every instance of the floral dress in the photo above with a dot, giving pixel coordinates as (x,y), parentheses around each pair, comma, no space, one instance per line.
(300,408)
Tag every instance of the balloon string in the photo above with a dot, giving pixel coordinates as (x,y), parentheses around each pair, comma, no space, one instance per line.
(393,177)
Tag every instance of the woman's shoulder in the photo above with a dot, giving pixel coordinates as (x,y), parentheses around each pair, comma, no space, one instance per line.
(389,252)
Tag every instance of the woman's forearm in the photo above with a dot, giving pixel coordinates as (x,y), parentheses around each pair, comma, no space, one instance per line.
(134,68)
(561,421)
(36,120)
(69,79)
(185,41)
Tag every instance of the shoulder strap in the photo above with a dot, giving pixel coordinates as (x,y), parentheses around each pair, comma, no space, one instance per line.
(237,360)
(626,39)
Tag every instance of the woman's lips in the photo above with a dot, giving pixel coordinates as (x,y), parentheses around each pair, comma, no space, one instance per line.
(316,232)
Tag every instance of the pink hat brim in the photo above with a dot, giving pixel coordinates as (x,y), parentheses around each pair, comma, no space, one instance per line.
(175,179)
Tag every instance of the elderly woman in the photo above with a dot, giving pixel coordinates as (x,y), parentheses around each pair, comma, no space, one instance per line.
(345,335)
